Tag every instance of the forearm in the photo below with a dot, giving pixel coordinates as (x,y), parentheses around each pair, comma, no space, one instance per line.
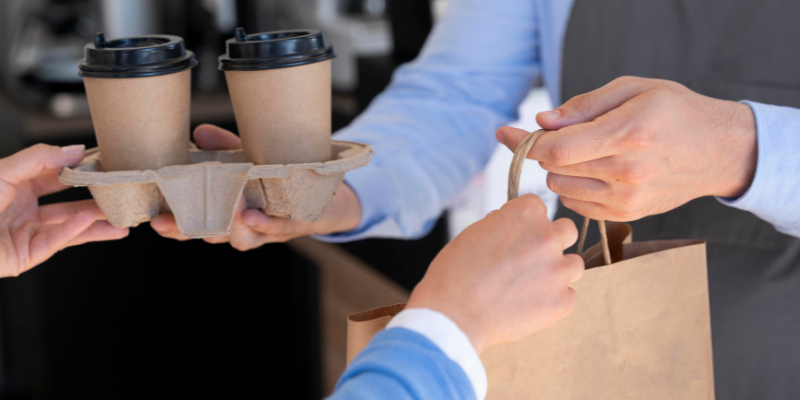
(433,129)
(773,195)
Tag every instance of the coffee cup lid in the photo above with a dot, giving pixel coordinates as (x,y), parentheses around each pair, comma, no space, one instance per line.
(135,57)
(271,50)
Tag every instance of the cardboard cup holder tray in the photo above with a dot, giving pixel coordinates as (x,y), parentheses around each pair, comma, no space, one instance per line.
(203,195)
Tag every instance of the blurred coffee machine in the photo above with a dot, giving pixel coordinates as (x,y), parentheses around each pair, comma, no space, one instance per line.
(42,99)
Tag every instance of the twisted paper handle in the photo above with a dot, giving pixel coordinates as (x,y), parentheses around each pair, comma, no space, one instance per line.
(515,173)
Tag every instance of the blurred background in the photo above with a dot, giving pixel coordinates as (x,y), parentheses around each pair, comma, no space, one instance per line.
(148,316)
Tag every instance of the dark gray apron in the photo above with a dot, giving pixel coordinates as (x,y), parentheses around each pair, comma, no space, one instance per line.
(727,49)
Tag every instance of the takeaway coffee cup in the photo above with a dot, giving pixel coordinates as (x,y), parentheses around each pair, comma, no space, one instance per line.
(139,92)
(280,86)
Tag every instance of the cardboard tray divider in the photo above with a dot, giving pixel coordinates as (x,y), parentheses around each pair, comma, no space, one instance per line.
(203,194)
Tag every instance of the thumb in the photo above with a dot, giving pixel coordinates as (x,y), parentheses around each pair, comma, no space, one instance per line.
(588,106)
(212,137)
(510,137)
(31,162)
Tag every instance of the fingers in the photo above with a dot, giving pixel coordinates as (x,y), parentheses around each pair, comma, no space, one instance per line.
(588,106)
(573,144)
(48,183)
(262,223)
(47,242)
(527,205)
(567,232)
(574,268)
(99,231)
(217,239)
(510,137)
(586,189)
(30,163)
(598,211)
(211,137)
(166,226)
(58,213)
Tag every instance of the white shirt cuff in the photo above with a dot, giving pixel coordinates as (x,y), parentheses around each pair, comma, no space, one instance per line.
(446,335)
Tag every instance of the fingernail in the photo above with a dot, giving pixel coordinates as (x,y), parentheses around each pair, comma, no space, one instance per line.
(250,222)
(553,114)
(74,149)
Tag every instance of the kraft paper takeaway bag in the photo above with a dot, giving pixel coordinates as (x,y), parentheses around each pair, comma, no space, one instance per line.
(640,328)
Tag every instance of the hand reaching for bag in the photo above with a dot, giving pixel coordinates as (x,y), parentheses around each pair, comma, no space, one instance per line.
(30,234)
(506,276)
(639,147)
(252,228)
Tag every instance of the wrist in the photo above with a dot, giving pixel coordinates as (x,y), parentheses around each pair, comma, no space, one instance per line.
(458,313)
(344,212)
(741,152)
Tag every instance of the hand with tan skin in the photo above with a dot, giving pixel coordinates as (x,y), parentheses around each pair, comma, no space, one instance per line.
(253,228)
(29,233)
(506,276)
(639,147)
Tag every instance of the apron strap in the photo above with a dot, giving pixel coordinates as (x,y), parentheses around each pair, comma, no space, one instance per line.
(515,173)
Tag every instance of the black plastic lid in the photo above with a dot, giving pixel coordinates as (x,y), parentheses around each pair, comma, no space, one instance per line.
(135,57)
(270,50)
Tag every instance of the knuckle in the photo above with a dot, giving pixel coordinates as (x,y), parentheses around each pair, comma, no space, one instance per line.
(634,174)
(668,84)
(41,148)
(639,136)
(551,239)
(583,104)
(240,245)
(626,79)
(559,154)
(39,151)
(567,230)
(629,200)
(631,80)
(555,184)
(531,206)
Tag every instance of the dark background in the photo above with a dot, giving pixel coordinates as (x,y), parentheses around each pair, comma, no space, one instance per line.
(148,316)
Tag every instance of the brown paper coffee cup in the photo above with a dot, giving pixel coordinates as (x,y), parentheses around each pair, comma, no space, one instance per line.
(141,123)
(283,115)
(139,92)
(280,86)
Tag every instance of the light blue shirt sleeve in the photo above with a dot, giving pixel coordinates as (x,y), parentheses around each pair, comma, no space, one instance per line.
(433,129)
(399,364)
(774,195)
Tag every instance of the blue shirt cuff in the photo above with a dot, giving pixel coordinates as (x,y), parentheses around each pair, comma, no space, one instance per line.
(773,193)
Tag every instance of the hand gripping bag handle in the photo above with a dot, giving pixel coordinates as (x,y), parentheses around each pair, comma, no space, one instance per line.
(515,173)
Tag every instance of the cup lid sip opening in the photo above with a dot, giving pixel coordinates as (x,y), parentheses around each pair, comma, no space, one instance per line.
(135,57)
(271,50)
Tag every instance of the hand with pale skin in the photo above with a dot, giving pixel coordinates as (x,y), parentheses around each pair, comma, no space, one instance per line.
(639,147)
(506,276)
(252,228)
(29,233)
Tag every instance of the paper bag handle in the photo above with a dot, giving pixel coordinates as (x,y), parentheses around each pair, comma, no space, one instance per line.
(515,173)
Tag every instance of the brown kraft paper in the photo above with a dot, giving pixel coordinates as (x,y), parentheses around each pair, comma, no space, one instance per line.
(640,330)
(141,123)
(284,114)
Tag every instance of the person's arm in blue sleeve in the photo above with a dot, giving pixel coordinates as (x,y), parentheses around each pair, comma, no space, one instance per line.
(433,129)
(401,363)
(773,195)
